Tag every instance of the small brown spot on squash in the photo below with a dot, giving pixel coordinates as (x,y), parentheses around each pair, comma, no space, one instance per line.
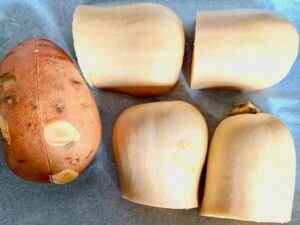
(183,144)
(28,124)
(64,176)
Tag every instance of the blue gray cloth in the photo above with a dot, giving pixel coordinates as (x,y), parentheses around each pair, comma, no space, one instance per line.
(94,198)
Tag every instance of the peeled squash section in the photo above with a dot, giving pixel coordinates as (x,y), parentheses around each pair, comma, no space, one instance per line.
(251,169)
(160,160)
(135,49)
(242,49)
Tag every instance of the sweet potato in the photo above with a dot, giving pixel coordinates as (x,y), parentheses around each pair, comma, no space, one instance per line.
(49,120)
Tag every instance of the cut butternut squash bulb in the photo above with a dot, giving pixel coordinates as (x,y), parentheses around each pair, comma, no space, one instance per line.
(242,49)
(160,149)
(136,49)
(251,168)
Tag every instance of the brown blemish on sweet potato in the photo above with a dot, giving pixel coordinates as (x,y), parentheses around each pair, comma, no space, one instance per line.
(4,129)
(8,54)
(69,160)
(59,106)
(55,57)
(69,145)
(87,108)
(90,153)
(34,131)
(64,176)
(59,87)
(60,57)
(76,82)
(11,99)
(7,80)
(28,124)
(72,162)
(34,106)
(21,161)
(43,45)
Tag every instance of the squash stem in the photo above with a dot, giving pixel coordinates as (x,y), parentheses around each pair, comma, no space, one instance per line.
(244,108)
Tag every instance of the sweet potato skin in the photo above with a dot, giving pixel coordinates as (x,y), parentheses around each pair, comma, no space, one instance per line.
(47,88)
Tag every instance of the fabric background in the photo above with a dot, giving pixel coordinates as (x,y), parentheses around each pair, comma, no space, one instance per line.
(94,198)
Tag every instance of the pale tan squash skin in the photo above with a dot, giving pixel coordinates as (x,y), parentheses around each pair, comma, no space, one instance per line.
(242,49)
(48,118)
(160,149)
(251,170)
(135,49)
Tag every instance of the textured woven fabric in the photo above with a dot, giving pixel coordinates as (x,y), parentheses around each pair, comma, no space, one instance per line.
(94,198)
